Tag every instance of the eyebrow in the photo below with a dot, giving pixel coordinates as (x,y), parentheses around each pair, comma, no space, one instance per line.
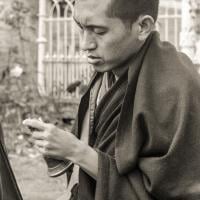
(89,25)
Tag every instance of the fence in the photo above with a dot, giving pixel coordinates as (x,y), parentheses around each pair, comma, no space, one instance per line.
(60,62)
(169,21)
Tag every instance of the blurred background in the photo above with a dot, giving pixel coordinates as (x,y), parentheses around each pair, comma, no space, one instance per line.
(43,74)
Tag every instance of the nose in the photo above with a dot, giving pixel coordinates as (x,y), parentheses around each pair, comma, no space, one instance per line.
(88,42)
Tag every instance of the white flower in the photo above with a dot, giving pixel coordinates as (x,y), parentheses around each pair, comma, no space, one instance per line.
(16,71)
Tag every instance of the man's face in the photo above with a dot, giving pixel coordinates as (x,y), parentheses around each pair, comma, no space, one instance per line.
(107,41)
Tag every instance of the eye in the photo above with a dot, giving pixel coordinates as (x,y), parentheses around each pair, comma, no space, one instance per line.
(99,31)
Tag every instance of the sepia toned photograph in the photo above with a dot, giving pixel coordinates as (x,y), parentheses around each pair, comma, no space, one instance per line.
(99,100)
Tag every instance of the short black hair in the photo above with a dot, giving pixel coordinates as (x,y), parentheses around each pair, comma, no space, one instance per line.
(130,10)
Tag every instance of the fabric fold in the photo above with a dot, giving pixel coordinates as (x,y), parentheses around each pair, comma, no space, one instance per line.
(147,129)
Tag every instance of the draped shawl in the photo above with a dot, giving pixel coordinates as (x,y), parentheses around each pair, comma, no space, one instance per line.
(147,130)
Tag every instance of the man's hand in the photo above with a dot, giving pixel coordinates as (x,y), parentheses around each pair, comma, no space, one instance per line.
(57,143)
(52,141)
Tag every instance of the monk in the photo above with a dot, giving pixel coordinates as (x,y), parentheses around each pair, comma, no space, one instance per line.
(137,132)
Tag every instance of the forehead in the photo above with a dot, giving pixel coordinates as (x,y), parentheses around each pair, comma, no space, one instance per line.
(87,10)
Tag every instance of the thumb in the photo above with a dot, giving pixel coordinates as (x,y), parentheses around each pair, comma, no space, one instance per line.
(35,124)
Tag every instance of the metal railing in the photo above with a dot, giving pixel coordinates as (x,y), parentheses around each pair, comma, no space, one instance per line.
(169,21)
(61,71)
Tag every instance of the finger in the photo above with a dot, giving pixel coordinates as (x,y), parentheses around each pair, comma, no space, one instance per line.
(40,135)
(35,124)
(41,143)
(40,149)
(41,146)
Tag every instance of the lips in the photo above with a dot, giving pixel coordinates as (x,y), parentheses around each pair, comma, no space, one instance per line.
(93,59)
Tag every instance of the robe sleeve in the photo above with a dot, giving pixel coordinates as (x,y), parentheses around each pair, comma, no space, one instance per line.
(168,163)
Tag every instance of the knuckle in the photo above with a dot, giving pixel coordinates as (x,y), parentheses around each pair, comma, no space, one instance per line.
(51,127)
(47,135)
(34,134)
(47,145)
(45,151)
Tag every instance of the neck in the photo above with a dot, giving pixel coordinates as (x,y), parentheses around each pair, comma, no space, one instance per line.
(119,70)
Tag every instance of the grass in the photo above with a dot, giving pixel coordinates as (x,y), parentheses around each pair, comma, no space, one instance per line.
(33,181)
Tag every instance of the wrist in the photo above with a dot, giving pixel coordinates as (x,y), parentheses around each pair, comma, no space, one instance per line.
(79,152)
(86,157)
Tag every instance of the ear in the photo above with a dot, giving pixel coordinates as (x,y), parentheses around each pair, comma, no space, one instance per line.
(146,25)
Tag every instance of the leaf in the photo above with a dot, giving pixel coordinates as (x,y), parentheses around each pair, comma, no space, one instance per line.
(25,10)
(17,5)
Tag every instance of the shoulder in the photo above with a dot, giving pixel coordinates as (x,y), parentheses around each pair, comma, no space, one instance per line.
(165,67)
(167,80)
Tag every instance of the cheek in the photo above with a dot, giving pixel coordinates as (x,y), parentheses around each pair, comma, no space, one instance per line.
(111,46)
(115,50)
(114,46)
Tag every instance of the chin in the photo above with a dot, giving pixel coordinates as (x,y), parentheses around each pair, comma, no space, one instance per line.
(103,68)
